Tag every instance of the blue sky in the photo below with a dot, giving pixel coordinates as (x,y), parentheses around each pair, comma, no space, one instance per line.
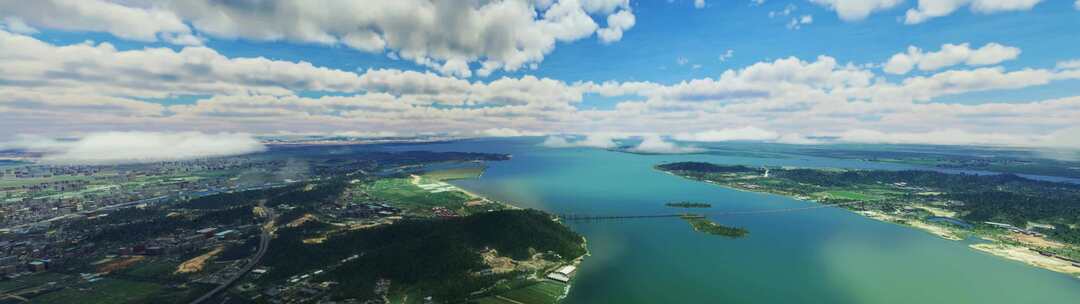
(783,71)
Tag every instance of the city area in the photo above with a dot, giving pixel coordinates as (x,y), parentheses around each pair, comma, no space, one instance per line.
(231,229)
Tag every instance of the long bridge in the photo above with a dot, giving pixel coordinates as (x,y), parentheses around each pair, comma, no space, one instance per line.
(597,217)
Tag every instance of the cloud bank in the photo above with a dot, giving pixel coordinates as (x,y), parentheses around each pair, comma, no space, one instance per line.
(950,55)
(855,10)
(137,147)
(925,10)
(600,141)
(459,38)
(1060,139)
(748,133)
(46,88)
(656,144)
(929,9)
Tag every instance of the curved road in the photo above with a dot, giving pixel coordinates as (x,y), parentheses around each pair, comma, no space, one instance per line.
(264,242)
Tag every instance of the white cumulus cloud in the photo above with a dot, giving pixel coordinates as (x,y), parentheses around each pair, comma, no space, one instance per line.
(138,147)
(1069,64)
(1061,139)
(950,55)
(855,10)
(47,88)
(929,9)
(748,133)
(157,72)
(616,24)
(128,22)
(601,141)
(658,145)
(460,38)
(797,23)
(506,132)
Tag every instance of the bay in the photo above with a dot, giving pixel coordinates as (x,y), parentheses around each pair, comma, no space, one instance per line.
(814,256)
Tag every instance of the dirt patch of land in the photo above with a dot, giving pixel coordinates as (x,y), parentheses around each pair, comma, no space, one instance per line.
(259,211)
(476,202)
(1034,241)
(300,221)
(315,240)
(197,264)
(120,264)
(501,264)
(497,263)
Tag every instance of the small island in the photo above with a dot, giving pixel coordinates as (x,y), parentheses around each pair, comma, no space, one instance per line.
(688,205)
(704,225)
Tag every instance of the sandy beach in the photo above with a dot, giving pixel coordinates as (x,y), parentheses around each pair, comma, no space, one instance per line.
(1030,257)
(474,198)
(942,232)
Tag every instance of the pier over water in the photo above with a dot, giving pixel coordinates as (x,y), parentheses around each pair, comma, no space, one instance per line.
(575,217)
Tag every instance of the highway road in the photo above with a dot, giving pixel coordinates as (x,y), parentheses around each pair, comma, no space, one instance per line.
(264,243)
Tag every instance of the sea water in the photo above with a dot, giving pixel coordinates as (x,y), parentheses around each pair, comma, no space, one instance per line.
(814,256)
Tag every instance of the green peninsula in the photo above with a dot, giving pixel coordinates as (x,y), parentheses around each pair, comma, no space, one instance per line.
(1036,222)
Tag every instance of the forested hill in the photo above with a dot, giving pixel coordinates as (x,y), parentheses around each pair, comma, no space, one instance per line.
(439,256)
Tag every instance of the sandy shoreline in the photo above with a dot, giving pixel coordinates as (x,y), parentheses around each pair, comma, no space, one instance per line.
(416,181)
(1030,257)
(942,232)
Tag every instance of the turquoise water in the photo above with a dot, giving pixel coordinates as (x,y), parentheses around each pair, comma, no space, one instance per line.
(814,256)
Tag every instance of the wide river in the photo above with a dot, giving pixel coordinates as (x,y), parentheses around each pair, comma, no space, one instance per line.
(813,256)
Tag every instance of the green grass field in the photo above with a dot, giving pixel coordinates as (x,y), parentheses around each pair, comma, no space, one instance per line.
(103,292)
(492,300)
(456,173)
(543,292)
(31,281)
(18,182)
(403,194)
(156,269)
(849,195)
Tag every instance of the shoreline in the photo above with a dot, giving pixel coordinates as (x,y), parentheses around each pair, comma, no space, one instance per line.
(939,231)
(415,180)
(998,248)
(1028,256)
(577,264)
